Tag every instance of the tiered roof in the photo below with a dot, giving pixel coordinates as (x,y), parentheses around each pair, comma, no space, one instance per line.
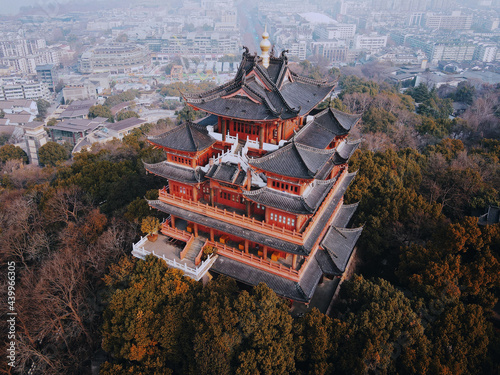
(227,172)
(185,137)
(326,125)
(176,172)
(292,203)
(259,93)
(296,160)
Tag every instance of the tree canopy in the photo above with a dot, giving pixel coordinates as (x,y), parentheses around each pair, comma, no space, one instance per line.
(52,153)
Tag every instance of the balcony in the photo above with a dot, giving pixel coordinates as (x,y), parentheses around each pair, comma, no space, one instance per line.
(274,267)
(256,225)
(177,254)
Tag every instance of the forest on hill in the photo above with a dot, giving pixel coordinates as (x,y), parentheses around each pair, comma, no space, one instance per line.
(424,300)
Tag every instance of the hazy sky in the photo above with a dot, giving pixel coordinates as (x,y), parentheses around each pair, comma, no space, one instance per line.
(11,7)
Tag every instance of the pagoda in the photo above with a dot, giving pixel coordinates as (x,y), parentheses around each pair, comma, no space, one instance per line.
(260,181)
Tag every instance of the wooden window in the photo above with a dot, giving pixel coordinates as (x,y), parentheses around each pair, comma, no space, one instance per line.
(293,222)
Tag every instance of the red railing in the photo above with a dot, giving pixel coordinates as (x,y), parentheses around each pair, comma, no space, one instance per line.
(257,262)
(251,223)
(197,260)
(175,233)
(231,217)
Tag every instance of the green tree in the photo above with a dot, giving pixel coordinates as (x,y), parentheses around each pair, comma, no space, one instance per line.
(51,153)
(146,317)
(100,111)
(460,340)
(11,152)
(189,114)
(316,344)
(43,106)
(122,115)
(52,122)
(122,38)
(382,331)
(465,92)
(378,120)
(4,138)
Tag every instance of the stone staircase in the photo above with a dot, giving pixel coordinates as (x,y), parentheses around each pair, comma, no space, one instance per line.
(241,144)
(195,248)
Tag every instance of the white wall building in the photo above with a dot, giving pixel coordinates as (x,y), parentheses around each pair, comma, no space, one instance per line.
(372,43)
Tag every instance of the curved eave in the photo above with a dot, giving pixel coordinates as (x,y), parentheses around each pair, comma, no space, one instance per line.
(239,118)
(304,211)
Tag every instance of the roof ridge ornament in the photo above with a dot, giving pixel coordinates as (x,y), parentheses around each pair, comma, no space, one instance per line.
(265,46)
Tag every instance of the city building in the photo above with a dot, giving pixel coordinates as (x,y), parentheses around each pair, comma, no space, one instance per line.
(455,21)
(117,58)
(23,89)
(372,43)
(77,109)
(260,180)
(79,91)
(335,31)
(72,130)
(35,137)
(47,74)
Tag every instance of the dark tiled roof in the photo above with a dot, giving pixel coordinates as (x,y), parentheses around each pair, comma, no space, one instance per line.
(326,125)
(208,120)
(185,137)
(322,221)
(314,135)
(294,160)
(296,204)
(299,291)
(285,95)
(175,172)
(346,149)
(128,123)
(339,243)
(326,263)
(337,121)
(33,124)
(344,215)
(227,172)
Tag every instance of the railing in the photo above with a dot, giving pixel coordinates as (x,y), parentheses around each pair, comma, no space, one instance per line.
(197,260)
(194,273)
(257,262)
(250,223)
(186,248)
(232,217)
(173,232)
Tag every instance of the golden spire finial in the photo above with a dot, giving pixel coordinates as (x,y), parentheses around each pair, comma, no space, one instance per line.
(265,46)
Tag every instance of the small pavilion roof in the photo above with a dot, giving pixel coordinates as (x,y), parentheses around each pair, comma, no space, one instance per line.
(295,160)
(185,137)
(227,172)
(259,93)
(292,203)
(326,125)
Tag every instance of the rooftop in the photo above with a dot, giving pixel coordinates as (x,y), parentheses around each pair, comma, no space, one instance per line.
(260,93)
(188,137)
